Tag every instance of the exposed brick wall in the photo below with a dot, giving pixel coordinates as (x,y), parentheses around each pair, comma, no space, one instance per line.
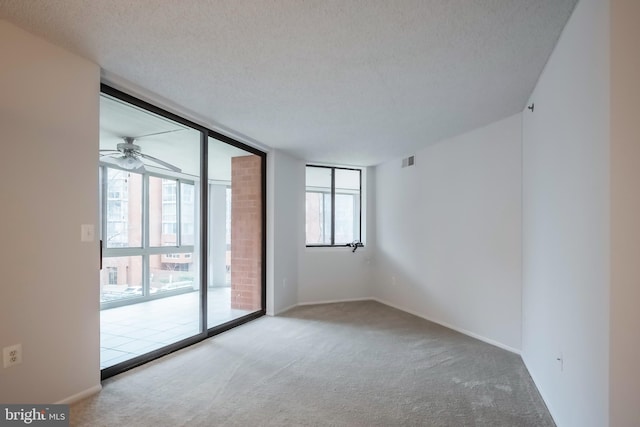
(246,232)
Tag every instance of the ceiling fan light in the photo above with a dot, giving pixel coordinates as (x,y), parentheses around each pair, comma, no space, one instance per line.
(129,162)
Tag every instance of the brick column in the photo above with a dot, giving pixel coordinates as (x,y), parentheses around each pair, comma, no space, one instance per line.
(246,232)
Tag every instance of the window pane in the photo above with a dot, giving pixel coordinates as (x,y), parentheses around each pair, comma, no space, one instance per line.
(156,295)
(347,180)
(346,221)
(234,284)
(123,209)
(163,212)
(187,213)
(347,215)
(174,272)
(318,206)
(120,278)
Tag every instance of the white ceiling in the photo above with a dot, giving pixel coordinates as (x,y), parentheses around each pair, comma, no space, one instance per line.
(353,82)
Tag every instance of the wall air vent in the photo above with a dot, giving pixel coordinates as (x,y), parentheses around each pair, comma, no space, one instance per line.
(409,161)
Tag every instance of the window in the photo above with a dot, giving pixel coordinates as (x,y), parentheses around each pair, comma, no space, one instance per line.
(187,209)
(113,275)
(141,220)
(123,208)
(168,190)
(169,212)
(332,205)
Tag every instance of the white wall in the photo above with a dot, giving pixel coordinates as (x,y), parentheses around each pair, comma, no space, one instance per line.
(566,223)
(285,229)
(448,232)
(48,187)
(338,274)
(624,398)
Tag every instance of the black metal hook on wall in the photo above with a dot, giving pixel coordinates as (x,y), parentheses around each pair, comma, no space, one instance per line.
(355,245)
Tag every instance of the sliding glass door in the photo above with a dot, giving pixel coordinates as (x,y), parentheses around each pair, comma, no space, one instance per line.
(182,238)
(235,221)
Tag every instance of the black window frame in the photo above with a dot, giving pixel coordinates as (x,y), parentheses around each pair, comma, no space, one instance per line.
(333,207)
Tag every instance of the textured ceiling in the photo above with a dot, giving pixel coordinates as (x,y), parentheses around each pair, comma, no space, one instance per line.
(355,82)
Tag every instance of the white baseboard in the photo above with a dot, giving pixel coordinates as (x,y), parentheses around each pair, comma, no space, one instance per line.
(452,327)
(335,301)
(279,312)
(397,307)
(82,395)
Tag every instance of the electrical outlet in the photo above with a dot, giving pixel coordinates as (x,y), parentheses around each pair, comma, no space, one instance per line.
(12,355)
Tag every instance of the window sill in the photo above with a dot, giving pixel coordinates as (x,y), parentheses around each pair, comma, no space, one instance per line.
(329,248)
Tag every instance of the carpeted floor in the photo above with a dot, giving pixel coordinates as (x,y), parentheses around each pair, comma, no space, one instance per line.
(345,364)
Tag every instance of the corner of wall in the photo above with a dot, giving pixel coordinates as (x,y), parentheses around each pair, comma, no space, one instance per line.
(566,232)
(284,201)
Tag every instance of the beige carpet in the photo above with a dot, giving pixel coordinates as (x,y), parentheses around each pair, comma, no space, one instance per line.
(346,364)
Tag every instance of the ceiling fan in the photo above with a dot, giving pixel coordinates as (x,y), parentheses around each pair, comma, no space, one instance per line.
(129,156)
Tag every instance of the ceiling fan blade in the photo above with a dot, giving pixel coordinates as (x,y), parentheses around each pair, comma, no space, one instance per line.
(161,162)
(110,153)
(157,133)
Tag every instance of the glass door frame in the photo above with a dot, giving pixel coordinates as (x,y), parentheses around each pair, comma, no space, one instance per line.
(205,332)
